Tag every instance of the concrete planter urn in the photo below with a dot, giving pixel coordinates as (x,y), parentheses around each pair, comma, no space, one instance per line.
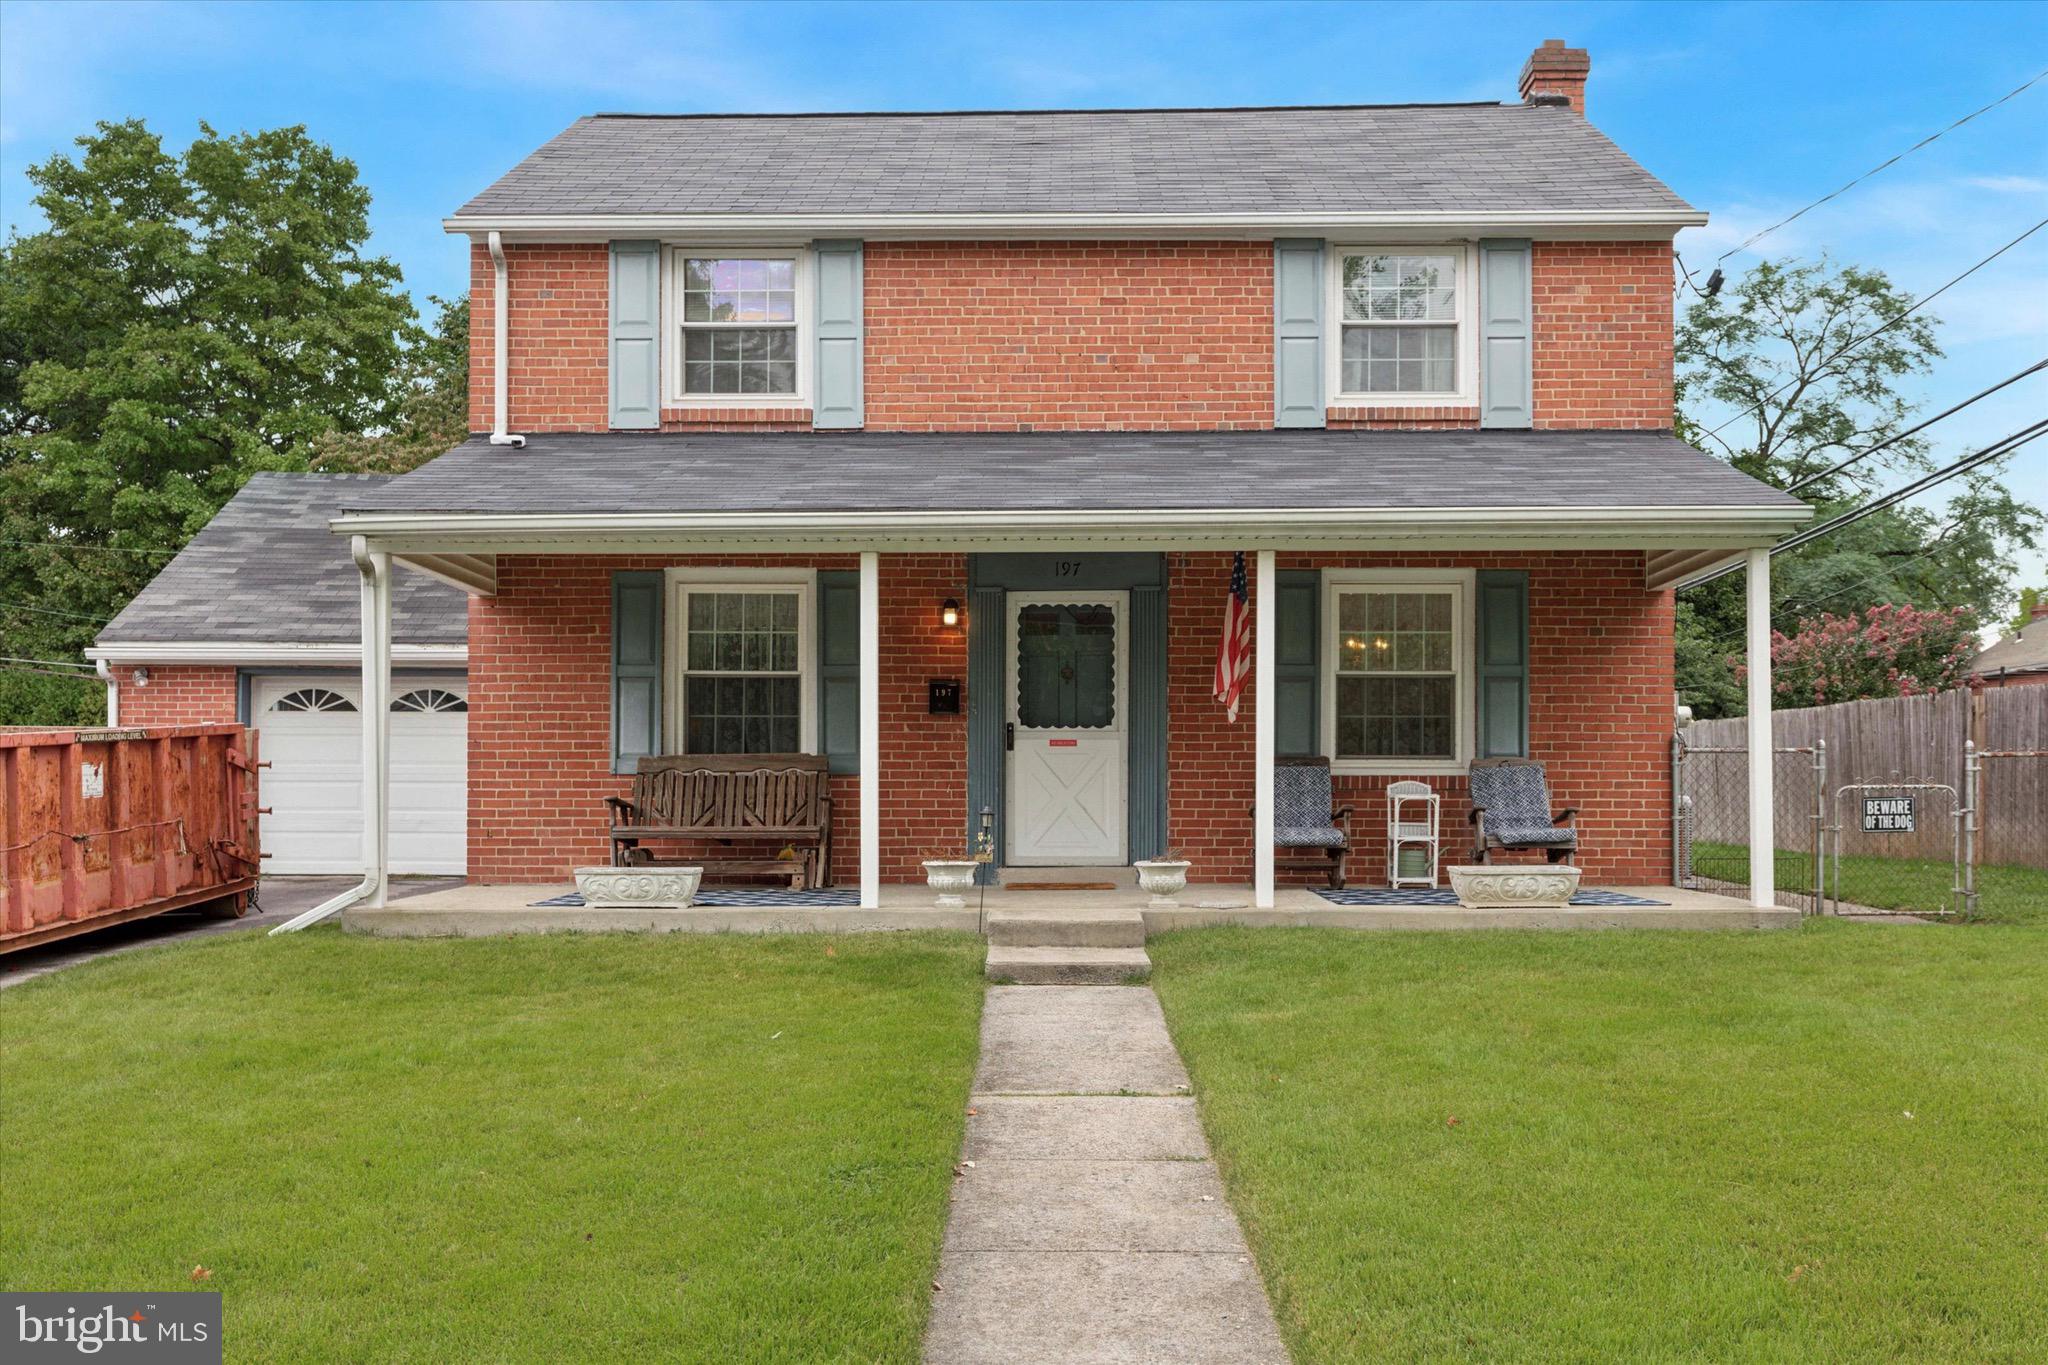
(638,888)
(1165,878)
(952,878)
(1514,888)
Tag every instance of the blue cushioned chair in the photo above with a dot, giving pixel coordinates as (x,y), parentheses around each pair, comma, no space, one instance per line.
(1511,807)
(1305,818)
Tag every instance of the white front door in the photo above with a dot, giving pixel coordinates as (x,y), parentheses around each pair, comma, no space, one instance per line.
(1066,672)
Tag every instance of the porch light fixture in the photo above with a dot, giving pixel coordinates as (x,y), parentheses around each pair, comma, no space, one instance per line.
(949,614)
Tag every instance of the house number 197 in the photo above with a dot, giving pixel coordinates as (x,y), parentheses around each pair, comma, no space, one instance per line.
(1066,568)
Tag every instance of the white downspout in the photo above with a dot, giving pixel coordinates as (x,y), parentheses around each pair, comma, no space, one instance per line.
(375,570)
(1265,725)
(501,364)
(106,673)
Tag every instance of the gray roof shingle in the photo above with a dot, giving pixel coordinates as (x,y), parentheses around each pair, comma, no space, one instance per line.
(1069,471)
(2023,651)
(1344,159)
(266,570)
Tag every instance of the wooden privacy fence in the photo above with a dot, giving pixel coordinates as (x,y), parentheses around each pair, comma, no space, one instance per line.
(1922,740)
(101,826)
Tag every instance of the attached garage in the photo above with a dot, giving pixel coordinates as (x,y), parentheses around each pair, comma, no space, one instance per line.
(312,736)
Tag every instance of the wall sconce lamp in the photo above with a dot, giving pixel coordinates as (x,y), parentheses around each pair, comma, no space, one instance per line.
(949,614)
(140,677)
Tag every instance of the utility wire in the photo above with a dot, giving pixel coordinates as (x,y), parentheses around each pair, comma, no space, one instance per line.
(63,545)
(85,670)
(1918,304)
(2001,447)
(1868,451)
(1758,237)
(52,611)
(47,672)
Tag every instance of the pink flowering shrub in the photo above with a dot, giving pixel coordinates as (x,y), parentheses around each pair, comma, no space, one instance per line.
(1884,652)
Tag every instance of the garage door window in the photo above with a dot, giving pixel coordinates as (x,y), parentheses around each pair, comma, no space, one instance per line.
(429,699)
(312,699)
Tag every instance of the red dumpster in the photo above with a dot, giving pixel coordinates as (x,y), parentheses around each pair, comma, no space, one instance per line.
(101,826)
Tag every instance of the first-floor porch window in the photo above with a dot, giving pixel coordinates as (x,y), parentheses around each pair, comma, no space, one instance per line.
(1398,674)
(743,682)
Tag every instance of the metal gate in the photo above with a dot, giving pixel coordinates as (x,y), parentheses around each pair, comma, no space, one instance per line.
(1710,820)
(1898,846)
(2005,832)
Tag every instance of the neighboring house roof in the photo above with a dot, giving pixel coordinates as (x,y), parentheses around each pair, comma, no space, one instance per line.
(266,570)
(2025,651)
(1312,470)
(1444,158)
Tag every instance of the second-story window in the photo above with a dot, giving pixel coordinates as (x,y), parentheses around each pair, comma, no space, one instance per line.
(737,317)
(1403,325)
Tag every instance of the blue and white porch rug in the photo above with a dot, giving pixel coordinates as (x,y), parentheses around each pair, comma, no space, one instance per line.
(1375,895)
(731,898)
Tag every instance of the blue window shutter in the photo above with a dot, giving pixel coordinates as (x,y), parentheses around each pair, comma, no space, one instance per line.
(1506,334)
(1297,663)
(1298,333)
(636,667)
(839,668)
(1146,787)
(1503,649)
(837,375)
(636,336)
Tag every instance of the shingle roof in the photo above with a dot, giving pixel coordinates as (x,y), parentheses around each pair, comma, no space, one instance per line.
(1345,159)
(266,570)
(1069,471)
(2025,650)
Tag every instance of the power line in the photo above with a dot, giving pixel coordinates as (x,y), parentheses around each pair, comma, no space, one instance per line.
(1868,451)
(85,670)
(1879,330)
(47,672)
(102,549)
(1997,449)
(1758,237)
(52,611)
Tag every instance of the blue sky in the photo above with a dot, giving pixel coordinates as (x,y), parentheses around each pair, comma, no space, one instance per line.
(1748,110)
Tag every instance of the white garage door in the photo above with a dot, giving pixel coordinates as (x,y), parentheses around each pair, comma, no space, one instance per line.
(311,735)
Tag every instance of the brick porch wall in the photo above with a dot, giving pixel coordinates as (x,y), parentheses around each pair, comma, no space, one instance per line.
(540,716)
(1599,717)
(176,694)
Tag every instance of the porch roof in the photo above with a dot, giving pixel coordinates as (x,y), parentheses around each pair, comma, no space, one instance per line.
(1078,472)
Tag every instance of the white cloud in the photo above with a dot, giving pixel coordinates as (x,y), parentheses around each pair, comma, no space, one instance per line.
(2008,184)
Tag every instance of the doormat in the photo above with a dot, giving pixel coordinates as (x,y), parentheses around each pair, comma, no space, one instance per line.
(1059,886)
(1375,895)
(734,898)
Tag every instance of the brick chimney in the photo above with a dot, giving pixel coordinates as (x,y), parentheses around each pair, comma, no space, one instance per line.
(2039,613)
(1554,69)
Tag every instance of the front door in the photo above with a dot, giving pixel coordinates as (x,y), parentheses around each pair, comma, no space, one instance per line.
(1066,715)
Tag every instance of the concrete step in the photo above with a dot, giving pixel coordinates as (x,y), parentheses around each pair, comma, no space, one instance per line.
(1112,928)
(1068,966)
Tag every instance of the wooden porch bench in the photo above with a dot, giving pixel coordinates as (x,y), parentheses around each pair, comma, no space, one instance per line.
(720,798)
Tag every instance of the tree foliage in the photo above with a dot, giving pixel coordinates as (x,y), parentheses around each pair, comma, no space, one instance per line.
(180,322)
(2030,598)
(1776,348)
(1883,652)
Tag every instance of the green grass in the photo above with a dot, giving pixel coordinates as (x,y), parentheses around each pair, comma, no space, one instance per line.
(1667,1146)
(603,1148)
(2005,892)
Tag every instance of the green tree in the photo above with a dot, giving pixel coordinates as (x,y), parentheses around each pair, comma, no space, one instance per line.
(179,323)
(2029,599)
(433,405)
(1774,348)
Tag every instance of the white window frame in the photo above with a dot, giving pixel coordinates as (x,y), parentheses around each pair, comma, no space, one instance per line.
(1465,353)
(673,255)
(1462,584)
(679,583)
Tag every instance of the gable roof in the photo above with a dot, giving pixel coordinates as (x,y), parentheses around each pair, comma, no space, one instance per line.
(2024,651)
(1080,471)
(1344,159)
(266,570)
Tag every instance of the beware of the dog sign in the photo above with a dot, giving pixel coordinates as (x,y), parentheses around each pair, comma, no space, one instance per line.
(1888,815)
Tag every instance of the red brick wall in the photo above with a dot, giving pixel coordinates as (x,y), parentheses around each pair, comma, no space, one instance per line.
(176,694)
(1602,352)
(540,716)
(1069,336)
(1599,717)
(559,317)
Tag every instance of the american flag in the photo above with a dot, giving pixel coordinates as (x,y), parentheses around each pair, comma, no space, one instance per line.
(1234,651)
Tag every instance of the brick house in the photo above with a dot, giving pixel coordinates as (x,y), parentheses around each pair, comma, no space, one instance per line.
(785,421)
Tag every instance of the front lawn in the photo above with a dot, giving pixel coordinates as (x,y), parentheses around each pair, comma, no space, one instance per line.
(1828,1143)
(568,1148)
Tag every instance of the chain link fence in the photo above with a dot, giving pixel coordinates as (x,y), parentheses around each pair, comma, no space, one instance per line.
(2005,833)
(1710,819)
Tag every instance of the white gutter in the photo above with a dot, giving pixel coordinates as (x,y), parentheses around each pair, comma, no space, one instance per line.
(113,692)
(501,364)
(274,655)
(376,714)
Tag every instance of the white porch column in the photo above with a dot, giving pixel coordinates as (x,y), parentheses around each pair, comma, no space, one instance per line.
(1264,608)
(870,731)
(376,587)
(1763,891)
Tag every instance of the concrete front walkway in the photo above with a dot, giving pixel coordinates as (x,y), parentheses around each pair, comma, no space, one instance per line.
(1088,1222)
